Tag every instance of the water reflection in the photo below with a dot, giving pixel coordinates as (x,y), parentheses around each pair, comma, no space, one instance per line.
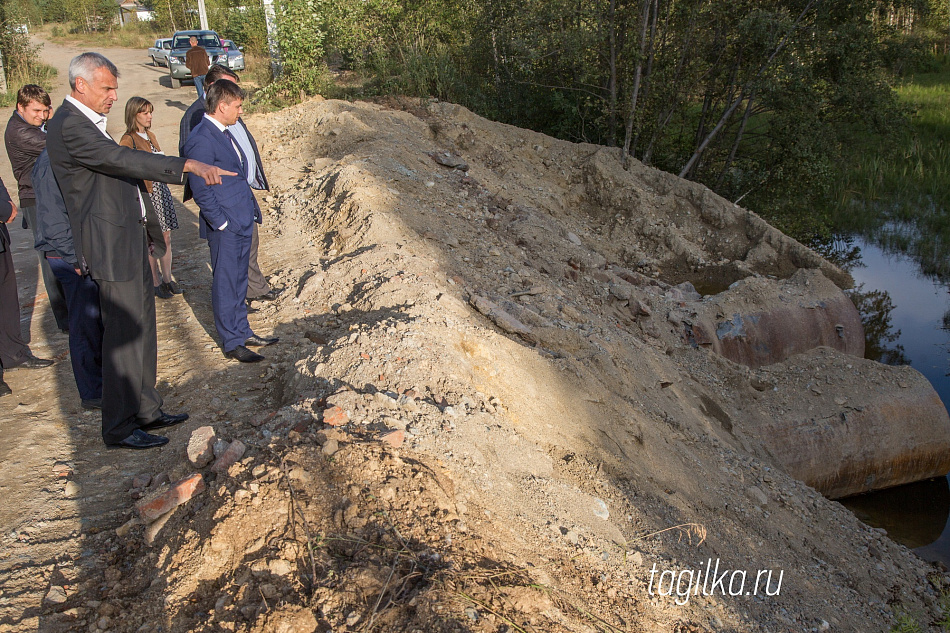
(880,336)
(914,515)
(874,304)
(906,315)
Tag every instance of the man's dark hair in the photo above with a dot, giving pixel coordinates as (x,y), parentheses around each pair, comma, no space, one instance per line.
(216,72)
(32,92)
(222,91)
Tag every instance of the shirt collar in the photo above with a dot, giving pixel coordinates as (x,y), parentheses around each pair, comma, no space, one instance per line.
(98,119)
(221,127)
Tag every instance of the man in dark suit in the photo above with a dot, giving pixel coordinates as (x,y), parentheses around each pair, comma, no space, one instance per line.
(54,242)
(25,138)
(14,352)
(101,186)
(228,214)
(257,287)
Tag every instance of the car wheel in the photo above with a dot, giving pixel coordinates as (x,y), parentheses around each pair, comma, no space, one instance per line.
(154,63)
(176,83)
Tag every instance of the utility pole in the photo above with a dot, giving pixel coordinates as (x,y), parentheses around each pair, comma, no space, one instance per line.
(273,47)
(202,15)
(3,73)
(3,76)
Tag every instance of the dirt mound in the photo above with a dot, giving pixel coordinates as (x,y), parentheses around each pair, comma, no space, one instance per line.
(491,418)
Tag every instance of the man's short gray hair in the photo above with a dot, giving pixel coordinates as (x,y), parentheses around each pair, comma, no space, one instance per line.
(86,64)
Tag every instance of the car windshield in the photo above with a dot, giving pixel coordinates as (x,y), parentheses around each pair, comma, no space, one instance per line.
(206,40)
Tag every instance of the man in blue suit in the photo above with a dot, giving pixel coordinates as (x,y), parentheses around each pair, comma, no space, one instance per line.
(258,289)
(227,216)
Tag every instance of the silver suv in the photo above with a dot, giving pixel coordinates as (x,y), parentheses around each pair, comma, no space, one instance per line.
(209,40)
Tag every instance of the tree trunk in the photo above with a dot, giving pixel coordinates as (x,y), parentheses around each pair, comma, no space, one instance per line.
(171,16)
(732,108)
(636,83)
(664,118)
(612,63)
(735,143)
(649,69)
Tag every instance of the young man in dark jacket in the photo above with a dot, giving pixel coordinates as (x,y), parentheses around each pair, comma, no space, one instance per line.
(25,138)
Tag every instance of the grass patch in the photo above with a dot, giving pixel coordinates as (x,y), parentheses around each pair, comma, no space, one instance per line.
(36,73)
(135,35)
(896,191)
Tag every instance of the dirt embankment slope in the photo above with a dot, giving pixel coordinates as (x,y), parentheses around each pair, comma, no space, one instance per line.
(487,416)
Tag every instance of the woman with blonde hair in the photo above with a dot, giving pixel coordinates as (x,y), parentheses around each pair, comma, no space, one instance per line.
(138,135)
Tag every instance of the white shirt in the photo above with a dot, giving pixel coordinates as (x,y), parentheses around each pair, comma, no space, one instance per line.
(239,133)
(99,120)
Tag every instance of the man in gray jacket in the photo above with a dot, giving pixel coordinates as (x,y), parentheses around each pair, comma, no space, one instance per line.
(109,217)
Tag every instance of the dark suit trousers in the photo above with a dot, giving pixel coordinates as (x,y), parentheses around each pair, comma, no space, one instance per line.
(85,328)
(229,260)
(129,354)
(54,291)
(13,349)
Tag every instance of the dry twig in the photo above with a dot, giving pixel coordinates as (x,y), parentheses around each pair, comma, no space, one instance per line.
(296,511)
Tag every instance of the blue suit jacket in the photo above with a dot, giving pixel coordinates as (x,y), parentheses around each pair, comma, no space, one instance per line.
(232,201)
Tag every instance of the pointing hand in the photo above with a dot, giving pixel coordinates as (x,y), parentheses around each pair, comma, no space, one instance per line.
(209,173)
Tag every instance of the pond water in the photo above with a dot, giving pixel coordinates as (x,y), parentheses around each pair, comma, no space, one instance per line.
(917,514)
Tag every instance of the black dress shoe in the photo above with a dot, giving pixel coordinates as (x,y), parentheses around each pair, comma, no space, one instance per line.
(250,309)
(5,389)
(140,440)
(260,341)
(32,362)
(173,287)
(244,355)
(92,404)
(164,420)
(270,295)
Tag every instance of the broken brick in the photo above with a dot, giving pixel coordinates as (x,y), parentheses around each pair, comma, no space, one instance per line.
(178,493)
(230,457)
(394,438)
(335,416)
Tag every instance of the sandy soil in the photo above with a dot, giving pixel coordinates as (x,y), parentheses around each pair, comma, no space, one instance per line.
(484,413)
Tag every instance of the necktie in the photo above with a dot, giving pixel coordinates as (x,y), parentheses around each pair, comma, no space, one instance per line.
(237,148)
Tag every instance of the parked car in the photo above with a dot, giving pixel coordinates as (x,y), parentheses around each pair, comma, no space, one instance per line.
(235,54)
(159,52)
(177,71)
